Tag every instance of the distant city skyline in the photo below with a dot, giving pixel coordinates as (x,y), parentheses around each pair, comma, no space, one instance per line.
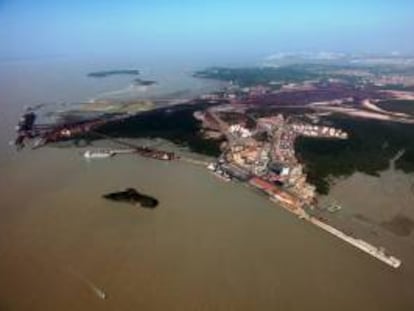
(241,29)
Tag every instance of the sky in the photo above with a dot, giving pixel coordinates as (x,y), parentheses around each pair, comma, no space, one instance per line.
(42,28)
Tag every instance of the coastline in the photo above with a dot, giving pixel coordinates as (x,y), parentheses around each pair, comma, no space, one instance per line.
(188,253)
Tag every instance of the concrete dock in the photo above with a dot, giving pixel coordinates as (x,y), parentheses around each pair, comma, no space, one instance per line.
(376,252)
(364,246)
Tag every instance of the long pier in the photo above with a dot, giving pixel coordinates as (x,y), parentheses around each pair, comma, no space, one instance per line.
(291,204)
(358,243)
(362,245)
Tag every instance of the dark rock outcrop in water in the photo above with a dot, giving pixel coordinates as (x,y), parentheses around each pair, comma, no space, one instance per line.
(132,196)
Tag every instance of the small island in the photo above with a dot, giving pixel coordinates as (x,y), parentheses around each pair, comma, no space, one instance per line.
(132,196)
(107,73)
(143,82)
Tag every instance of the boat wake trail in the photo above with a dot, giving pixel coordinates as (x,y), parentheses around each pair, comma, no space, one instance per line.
(95,289)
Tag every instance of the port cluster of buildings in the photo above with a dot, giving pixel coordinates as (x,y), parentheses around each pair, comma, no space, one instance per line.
(265,157)
(271,166)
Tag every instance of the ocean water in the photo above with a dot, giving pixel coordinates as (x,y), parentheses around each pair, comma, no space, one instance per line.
(209,245)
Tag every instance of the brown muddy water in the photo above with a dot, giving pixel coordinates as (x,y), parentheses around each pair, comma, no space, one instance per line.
(209,245)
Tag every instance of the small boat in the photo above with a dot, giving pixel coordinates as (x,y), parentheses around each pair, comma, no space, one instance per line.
(212,167)
(100,293)
(222,175)
(102,154)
